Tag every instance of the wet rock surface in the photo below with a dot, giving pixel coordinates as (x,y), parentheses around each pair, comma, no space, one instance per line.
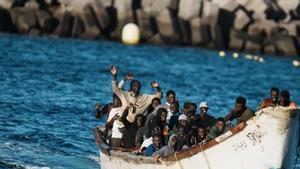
(268,27)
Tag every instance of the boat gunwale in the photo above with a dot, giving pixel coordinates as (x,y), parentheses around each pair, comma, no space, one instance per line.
(105,148)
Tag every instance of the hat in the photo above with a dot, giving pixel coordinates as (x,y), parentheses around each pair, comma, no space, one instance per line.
(203,104)
(182,117)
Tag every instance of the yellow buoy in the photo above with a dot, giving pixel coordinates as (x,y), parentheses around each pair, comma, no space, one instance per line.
(261,59)
(130,34)
(235,55)
(222,53)
(249,57)
(296,63)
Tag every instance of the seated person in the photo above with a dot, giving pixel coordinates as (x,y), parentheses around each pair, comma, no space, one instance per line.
(190,141)
(240,112)
(181,137)
(155,146)
(204,119)
(285,100)
(273,100)
(168,149)
(174,107)
(201,134)
(216,130)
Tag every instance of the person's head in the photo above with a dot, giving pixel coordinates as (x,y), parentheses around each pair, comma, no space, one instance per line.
(182,119)
(274,94)
(162,114)
(174,107)
(116,101)
(154,130)
(180,131)
(139,120)
(135,86)
(171,96)
(240,103)
(220,124)
(201,133)
(191,139)
(203,106)
(156,140)
(188,107)
(284,98)
(173,141)
(155,102)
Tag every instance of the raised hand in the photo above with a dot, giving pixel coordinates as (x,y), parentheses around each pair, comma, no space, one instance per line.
(98,106)
(154,84)
(113,70)
(129,76)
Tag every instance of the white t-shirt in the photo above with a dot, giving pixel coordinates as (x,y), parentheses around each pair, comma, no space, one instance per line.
(146,143)
(115,129)
(113,112)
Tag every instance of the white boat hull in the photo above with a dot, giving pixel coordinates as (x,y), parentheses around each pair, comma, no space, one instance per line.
(269,141)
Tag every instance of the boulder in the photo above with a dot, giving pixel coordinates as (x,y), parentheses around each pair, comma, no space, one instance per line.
(189,9)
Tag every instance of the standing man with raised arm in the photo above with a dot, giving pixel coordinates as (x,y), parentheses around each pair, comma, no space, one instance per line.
(138,102)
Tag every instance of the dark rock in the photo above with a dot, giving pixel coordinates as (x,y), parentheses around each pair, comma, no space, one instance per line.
(225,21)
(101,14)
(50,25)
(78,27)
(34,32)
(235,42)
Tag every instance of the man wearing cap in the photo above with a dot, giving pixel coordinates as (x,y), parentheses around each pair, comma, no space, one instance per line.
(204,119)
(182,121)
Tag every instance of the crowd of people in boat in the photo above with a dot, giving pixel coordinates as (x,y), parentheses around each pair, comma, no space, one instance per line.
(136,120)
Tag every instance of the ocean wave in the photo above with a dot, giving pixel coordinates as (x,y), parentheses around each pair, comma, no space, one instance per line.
(36,167)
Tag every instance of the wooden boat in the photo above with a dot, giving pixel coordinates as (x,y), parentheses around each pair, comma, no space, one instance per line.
(267,141)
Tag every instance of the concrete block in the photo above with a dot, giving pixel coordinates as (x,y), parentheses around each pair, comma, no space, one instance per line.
(154,7)
(228,5)
(100,13)
(196,31)
(124,16)
(156,39)
(235,42)
(241,19)
(185,29)
(42,16)
(66,26)
(286,46)
(23,19)
(210,12)
(166,24)
(189,9)
(144,23)
(270,50)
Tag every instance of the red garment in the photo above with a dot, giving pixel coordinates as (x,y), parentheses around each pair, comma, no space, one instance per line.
(267,103)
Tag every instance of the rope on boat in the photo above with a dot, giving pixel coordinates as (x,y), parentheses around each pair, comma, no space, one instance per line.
(180,165)
(205,157)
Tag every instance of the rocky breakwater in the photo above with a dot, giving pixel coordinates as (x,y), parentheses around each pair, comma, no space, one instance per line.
(266,26)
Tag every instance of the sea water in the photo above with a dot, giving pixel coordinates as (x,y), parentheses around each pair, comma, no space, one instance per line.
(49,88)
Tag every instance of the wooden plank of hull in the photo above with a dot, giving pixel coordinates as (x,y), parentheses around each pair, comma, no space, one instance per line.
(268,140)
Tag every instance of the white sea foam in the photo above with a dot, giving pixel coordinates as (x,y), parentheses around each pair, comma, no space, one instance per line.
(94,158)
(36,167)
